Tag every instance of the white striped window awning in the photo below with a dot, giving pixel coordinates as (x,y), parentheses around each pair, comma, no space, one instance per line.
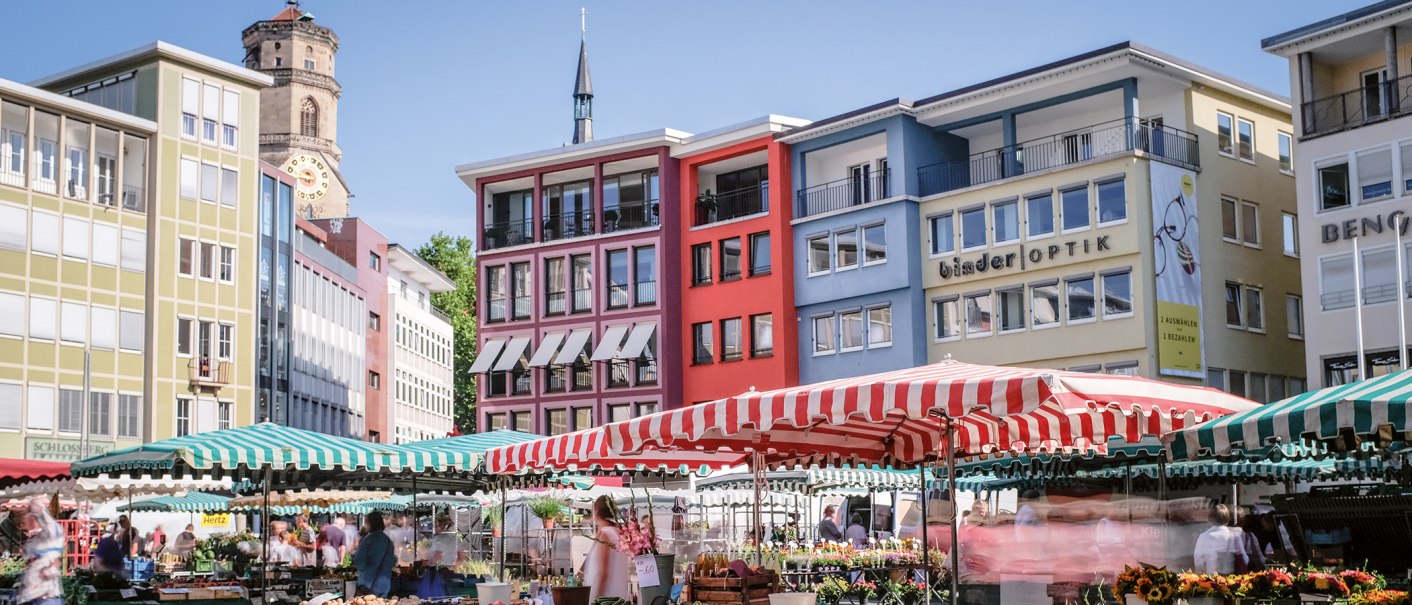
(512,354)
(573,346)
(637,341)
(547,348)
(488,352)
(609,344)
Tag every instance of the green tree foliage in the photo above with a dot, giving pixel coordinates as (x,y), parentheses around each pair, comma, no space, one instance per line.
(455,256)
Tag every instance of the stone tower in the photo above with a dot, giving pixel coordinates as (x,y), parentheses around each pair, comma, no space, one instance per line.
(299,114)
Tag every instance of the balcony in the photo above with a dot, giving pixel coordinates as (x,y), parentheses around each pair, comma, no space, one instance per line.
(1352,109)
(727,205)
(843,193)
(1088,144)
(508,233)
(646,292)
(204,372)
(647,371)
(567,225)
(630,216)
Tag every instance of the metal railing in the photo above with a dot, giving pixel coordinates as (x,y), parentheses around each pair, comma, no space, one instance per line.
(521,307)
(134,199)
(583,299)
(207,371)
(619,370)
(645,292)
(843,193)
(554,302)
(508,233)
(647,371)
(567,225)
(1171,145)
(635,215)
(617,296)
(1351,109)
(727,205)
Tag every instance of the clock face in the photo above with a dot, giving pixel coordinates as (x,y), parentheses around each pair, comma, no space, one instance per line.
(311,176)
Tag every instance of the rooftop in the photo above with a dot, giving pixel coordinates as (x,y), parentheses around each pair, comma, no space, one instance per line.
(642,140)
(406,261)
(13,91)
(160,50)
(1349,19)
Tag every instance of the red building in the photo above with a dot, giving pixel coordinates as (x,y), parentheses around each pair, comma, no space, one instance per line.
(737,286)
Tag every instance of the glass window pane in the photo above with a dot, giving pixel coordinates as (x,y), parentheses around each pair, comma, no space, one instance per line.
(1250,223)
(1117,294)
(880,326)
(819,254)
(943,234)
(874,244)
(730,258)
(1224,127)
(1012,310)
(1294,315)
(823,334)
(1254,309)
(973,233)
(1075,208)
(846,247)
(1230,228)
(1040,215)
(1245,132)
(1044,305)
(1333,187)
(701,264)
(1336,282)
(1005,218)
(1112,201)
(759,254)
(978,315)
(1233,302)
(948,318)
(850,333)
(1080,297)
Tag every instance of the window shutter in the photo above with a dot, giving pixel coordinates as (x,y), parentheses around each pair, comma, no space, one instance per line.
(230,112)
(211,103)
(190,96)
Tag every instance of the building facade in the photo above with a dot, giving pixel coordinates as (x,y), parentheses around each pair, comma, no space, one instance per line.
(299,113)
(201,227)
(420,340)
(1351,77)
(273,305)
(74,321)
(735,247)
(329,341)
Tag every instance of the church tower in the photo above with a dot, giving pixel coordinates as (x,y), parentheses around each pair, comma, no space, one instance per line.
(299,114)
(583,89)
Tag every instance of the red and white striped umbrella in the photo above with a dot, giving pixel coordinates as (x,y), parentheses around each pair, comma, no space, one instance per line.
(895,417)
(587,451)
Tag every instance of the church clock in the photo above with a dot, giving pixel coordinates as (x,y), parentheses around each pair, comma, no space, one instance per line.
(311,175)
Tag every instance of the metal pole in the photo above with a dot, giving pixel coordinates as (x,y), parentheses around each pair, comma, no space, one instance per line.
(265,530)
(955,530)
(756,475)
(83,418)
(1358,307)
(1401,297)
(503,497)
(415,524)
(926,546)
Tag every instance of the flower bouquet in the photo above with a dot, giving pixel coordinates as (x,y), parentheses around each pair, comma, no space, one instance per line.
(1265,585)
(1359,581)
(1146,583)
(832,589)
(863,589)
(906,592)
(1204,589)
(1379,596)
(1315,586)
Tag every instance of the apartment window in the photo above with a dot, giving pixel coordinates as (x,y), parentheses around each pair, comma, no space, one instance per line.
(1237,383)
(1375,174)
(978,314)
(759,254)
(947,315)
(374,380)
(230,118)
(973,229)
(1225,124)
(1379,275)
(557,421)
(71,411)
(1250,224)
(1117,295)
(1044,305)
(225,341)
(1074,208)
(43,317)
(14,225)
(76,159)
(44,232)
(1245,140)
(1277,387)
(230,187)
(1256,387)
(105,244)
(227,268)
(582,283)
(617,279)
(210,112)
(309,64)
(225,415)
(583,418)
(845,249)
(190,106)
(1336,282)
(207,260)
(496,298)
(1230,221)
(100,413)
(874,244)
(12,314)
(495,422)
(1234,316)
(824,335)
(850,330)
(10,405)
(820,256)
(183,336)
(1294,316)
(1112,201)
(520,286)
(644,275)
(73,323)
(1124,368)
(1012,309)
(210,183)
(555,286)
(943,230)
(76,238)
(556,379)
(130,416)
(1289,224)
(183,417)
(1333,186)
(1080,299)
(1216,378)
(104,326)
(730,259)
(1039,215)
(700,264)
(762,337)
(702,343)
(1005,219)
(134,250)
(619,412)
(732,348)
(1286,152)
(879,327)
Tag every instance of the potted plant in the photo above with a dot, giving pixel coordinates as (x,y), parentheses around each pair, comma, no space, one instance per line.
(907,591)
(794,594)
(863,589)
(548,508)
(1145,584)
(1204,589)
(491,516)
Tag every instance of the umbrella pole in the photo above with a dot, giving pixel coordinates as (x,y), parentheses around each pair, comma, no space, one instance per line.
(416,525)
(926,548)
(756,461)
(502,533)
(265,542)
(951,490)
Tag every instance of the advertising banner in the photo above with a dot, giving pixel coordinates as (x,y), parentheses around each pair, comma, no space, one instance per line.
(215,519)
(1177,270)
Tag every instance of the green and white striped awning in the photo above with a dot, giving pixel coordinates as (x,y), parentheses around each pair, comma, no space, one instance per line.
(818,480)
(192,502)
(202,502)
(1375,410)
(300,457)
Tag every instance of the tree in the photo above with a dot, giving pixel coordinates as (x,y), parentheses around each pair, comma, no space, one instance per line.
(455,256)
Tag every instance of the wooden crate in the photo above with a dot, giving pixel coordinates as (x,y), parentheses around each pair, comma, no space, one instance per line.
(754,590)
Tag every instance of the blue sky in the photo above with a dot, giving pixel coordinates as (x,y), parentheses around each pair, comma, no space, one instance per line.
(431,84)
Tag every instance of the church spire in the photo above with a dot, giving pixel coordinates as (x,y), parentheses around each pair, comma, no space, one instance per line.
(583,87)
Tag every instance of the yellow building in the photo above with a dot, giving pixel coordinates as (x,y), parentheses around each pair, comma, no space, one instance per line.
(190,194)
(1121,211)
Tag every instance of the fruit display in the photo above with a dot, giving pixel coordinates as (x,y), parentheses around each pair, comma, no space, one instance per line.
(412,600)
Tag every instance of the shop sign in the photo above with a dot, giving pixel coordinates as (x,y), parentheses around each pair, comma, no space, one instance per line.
(1177,269)
(62,450)
(1026,258)
(215,519)
(1362,227)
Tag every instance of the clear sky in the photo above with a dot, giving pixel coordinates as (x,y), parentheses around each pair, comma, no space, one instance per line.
(432,84)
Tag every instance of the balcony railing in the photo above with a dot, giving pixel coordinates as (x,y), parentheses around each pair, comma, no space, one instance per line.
(572,224)
(646,292)
(727,205)
(583,299)
(647,371)
(630,216)
(617,296)
(1165,143)
(843,193)
(1354,108)
(509,233)
(522,306)
(205,371)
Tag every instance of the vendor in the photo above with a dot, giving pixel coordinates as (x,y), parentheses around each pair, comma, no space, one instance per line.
(828,529)
(185,541)
(304,540)
(108,556)
(375,558)
(445,545)
(331,546)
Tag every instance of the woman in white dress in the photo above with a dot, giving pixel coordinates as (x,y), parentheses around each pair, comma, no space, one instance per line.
(606,569)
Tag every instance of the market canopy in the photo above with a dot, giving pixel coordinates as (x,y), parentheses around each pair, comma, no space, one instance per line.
(106,487)
(1338,417)
(587,451)
(898,417)
(817,480)
(202,502)
(14,471)
(195,502)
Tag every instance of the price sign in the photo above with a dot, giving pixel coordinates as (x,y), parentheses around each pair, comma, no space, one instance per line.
(215,519)
(316,587)
(646,570)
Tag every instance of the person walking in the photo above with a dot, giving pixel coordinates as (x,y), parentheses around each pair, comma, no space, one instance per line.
(375,558)
(156,541)
(828,529)
(185,541)
(605,571)
(1216,548)
(108,555)
(42,580)
(856,534)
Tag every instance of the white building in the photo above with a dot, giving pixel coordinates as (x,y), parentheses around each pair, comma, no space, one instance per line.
(1351,77)
(329,350)
(422,406)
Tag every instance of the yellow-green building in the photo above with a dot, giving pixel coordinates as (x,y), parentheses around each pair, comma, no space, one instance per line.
(194,208)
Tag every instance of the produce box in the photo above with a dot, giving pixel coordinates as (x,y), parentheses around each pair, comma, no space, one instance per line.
(173,594)
(754,590)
